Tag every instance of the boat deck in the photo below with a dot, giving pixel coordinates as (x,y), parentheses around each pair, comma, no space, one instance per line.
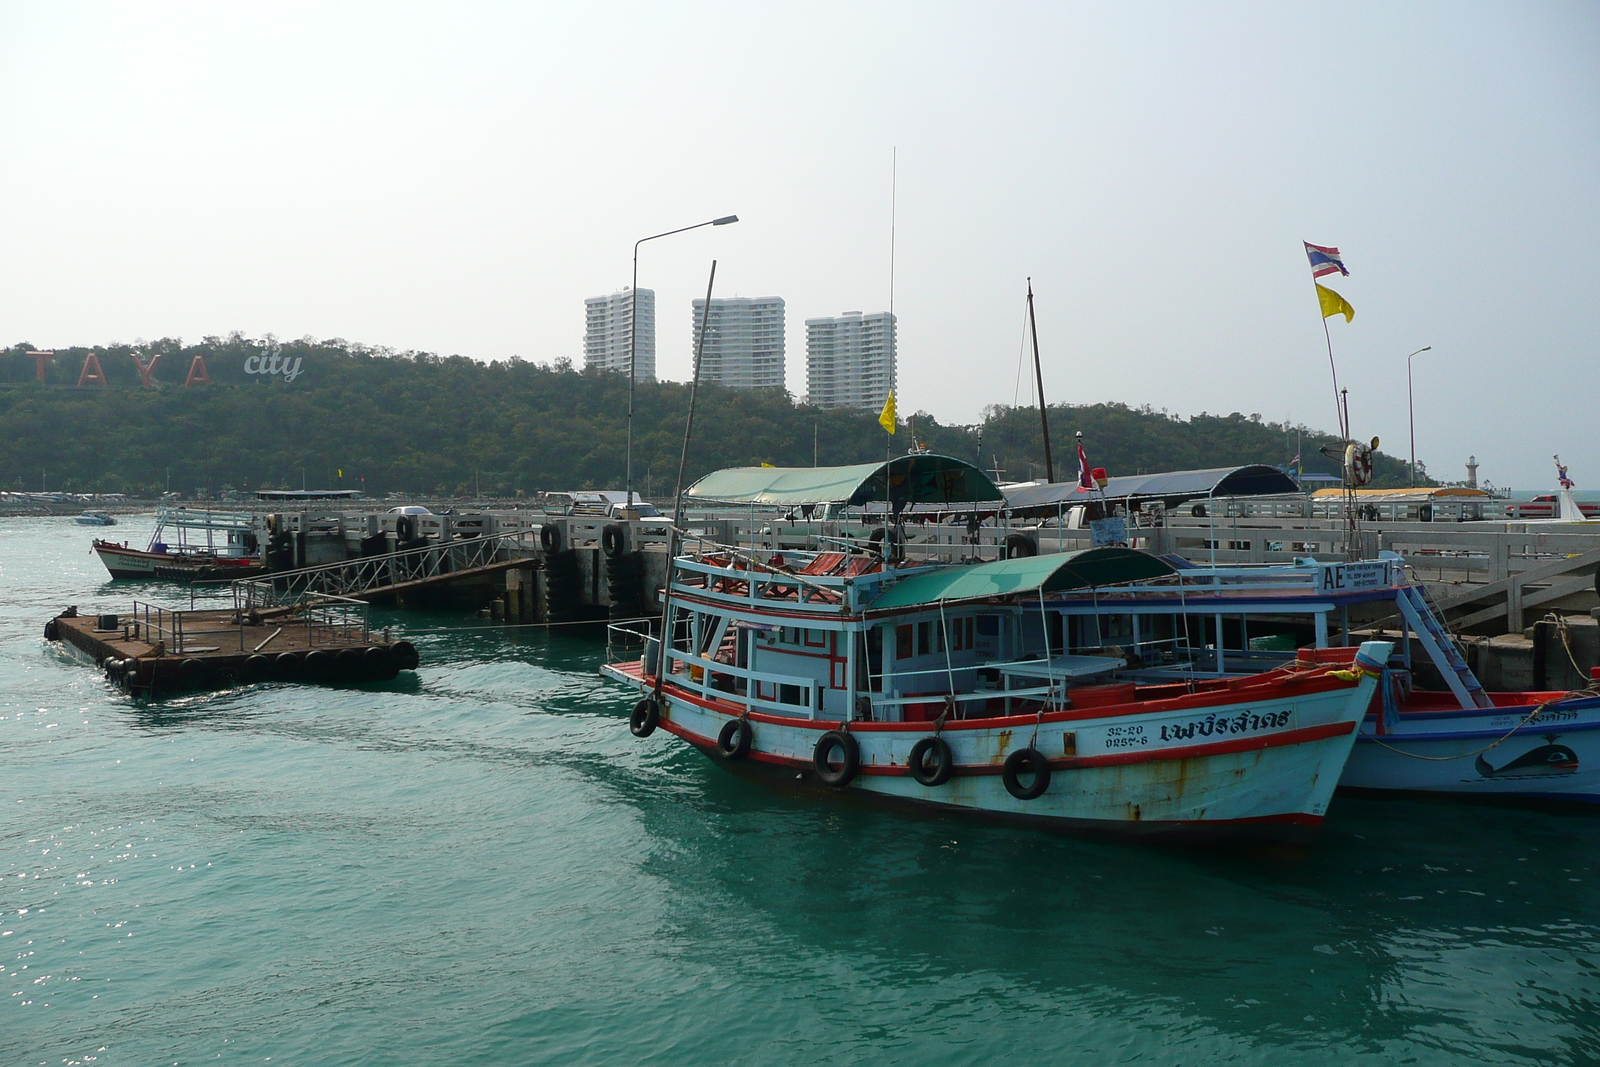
(155,650)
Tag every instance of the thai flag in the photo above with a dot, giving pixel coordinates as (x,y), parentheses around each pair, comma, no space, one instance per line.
(1324,261)
(1085,477)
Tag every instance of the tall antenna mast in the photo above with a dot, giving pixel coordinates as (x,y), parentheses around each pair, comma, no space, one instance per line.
(1038,378)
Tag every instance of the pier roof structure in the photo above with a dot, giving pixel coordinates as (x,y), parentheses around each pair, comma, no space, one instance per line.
(1172,487)
(914,479)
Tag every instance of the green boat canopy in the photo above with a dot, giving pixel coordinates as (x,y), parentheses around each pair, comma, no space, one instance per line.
(1030,574)
(916,479)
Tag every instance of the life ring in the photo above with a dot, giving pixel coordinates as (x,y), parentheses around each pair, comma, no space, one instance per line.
(1358,463)
(1019,547)
(550,538)
(931,762)
(646,716)
(733,740)
(849,758)
(1026,761)
(613,540)
(52,631)
(405,655)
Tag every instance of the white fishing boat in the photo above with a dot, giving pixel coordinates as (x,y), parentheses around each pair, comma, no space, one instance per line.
(201,544)
(949,685)
(94,518)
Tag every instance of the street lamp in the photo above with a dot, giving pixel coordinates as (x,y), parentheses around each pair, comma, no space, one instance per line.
(1411,413)
(633,336)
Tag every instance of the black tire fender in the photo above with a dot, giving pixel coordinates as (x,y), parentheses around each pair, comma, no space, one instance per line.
(1026,761)
(286,666)
(645,718)
(931,762)
(733,740)
(191,672)
(849,758)
(348,662)
(405,655)
(550,539)
(614,540)
(257,667)
(378,662)
(318,662)
(52,630)
(1019,547)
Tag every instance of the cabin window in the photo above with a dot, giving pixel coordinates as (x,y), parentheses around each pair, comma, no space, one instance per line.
(924,638)
(816,638)
(903,642)
(962,638)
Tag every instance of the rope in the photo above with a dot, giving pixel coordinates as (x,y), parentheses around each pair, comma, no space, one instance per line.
(1466,755)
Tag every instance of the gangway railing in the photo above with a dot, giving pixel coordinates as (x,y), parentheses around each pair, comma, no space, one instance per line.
(355,578)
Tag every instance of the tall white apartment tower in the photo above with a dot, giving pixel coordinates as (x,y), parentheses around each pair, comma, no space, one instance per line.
(744,341)
(608,320)
(850,360)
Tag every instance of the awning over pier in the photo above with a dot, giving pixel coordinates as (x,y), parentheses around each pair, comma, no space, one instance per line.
(1170,487)
(917,479)
(1030,574)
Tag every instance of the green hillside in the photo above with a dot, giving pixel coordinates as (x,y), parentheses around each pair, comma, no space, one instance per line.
(279,414)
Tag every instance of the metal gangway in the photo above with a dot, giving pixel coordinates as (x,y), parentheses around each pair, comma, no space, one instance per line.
(378,577)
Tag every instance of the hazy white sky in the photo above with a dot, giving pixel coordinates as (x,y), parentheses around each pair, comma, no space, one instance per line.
(459,177)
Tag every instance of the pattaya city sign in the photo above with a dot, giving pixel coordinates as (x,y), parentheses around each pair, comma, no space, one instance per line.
(273,364)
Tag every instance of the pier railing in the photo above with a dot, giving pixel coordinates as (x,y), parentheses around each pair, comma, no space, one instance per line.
(358,577)
(326,620)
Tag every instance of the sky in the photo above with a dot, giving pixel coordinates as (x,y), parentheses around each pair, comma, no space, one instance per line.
(458,178)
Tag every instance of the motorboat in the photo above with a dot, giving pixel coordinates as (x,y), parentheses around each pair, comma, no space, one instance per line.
(951,685)
(201,545)
(94,518)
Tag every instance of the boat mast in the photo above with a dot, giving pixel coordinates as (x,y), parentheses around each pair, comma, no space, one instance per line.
(1038,377)
(677,493)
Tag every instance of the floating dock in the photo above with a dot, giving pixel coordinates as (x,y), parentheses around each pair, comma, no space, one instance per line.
(155,650)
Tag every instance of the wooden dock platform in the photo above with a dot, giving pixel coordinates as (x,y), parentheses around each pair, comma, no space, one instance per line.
(156,650)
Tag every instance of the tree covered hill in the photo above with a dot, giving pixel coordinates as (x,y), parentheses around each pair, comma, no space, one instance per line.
(279,414)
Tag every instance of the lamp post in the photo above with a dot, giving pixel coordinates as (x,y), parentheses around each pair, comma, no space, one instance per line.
(1411,413)
(633,337)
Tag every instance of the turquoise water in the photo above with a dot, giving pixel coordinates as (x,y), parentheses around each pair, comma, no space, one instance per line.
(479,865)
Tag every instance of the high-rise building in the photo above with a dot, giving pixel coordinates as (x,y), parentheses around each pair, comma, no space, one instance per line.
(744,341)
(850,360)
(608,321)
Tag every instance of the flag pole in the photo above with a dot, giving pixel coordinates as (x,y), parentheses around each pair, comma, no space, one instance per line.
(1344,428)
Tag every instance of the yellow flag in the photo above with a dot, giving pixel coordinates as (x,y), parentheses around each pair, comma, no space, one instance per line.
(1334,304)
(341,474)
(886,420)
(774,466)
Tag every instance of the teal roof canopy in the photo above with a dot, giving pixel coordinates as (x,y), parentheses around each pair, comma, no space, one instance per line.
(1030,574)
(914,479)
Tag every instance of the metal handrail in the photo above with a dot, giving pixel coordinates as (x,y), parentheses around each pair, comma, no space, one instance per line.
(354,577)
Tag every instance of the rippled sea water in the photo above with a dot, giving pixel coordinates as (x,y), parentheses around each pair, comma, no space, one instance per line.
(478,864)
